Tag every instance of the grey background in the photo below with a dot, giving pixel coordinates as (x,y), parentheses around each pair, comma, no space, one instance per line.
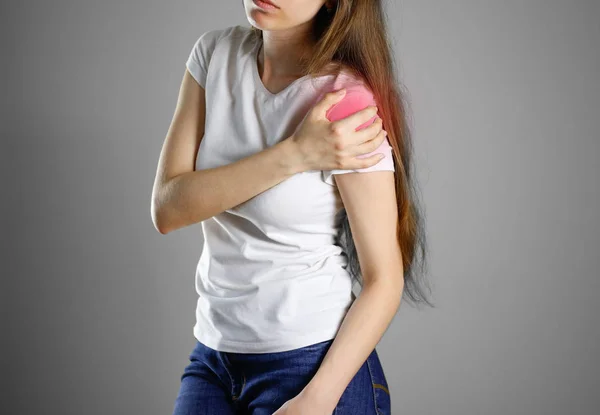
(99,307)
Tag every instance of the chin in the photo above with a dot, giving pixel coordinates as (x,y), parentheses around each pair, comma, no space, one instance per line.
(263,21)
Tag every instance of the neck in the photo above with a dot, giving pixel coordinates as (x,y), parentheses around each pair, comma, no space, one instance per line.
(281,53)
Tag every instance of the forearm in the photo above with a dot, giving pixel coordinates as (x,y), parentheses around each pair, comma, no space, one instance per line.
(195,196)
(365,323)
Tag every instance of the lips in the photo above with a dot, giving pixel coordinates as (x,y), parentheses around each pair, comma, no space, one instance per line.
(270,2)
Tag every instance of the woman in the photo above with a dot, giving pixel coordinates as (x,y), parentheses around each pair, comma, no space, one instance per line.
(256,140)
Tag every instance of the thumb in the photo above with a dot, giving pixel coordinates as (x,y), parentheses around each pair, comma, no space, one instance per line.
(330,98)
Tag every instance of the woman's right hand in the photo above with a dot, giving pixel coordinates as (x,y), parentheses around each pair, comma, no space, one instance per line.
(327,145)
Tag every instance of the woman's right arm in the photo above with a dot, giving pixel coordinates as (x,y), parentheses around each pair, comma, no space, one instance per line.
(182,196)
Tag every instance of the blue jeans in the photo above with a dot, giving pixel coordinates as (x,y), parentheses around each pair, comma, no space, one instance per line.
(223,383)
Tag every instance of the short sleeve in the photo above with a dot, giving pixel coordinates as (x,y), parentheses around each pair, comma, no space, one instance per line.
(199,58)
(357,98)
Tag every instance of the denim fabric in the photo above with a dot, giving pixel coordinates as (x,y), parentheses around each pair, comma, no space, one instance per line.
(223,383)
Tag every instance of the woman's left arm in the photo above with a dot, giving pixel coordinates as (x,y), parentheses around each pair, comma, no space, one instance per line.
(370,202)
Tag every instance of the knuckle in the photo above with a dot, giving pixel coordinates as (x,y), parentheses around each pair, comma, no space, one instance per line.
(338,162)
(338,143)
(336,130)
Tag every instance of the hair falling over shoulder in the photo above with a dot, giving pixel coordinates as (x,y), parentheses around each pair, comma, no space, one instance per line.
(353,36)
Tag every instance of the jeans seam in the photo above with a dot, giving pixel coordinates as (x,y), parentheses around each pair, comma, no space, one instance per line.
(372,384)
(224,361)
(382,387)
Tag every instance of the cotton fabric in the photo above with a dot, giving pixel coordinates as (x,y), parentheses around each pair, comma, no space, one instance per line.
(270,276)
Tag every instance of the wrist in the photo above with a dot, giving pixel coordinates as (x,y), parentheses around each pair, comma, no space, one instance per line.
(291,158)
(320,396)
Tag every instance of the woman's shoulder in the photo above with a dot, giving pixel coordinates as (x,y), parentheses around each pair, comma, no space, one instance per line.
(358,93)
(352,80)
(212,36)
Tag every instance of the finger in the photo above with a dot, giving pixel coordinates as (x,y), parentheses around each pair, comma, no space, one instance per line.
(366,133)
(364,162)
(370,145)
(358,118)
(329,99)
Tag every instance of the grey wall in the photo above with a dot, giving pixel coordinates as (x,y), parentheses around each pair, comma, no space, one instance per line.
(99,307)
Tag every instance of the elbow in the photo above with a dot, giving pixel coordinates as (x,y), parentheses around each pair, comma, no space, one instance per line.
(161,229)
(159,218)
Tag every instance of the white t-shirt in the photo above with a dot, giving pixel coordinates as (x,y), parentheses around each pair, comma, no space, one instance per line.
(270,277)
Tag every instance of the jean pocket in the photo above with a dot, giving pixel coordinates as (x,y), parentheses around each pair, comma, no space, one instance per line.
(381,390)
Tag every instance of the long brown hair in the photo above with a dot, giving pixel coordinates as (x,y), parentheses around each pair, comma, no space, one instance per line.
(353,36)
